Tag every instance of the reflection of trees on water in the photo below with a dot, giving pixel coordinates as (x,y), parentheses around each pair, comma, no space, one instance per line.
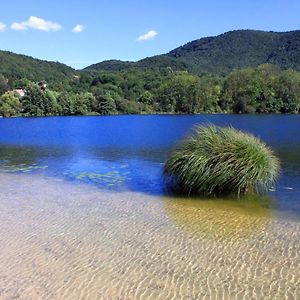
(220,219)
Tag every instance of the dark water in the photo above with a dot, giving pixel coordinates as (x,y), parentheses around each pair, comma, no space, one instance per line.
(127,152)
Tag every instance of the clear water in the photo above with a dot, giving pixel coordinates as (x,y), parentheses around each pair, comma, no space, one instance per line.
(126,153)
(117,235)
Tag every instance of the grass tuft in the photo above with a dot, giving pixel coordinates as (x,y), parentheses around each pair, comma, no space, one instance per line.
(222,160)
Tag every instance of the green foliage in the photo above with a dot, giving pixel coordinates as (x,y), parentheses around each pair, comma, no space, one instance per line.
(16,66)
(222,54)
(239,49)
(10,104)
(4,86)
(186,93)
(126,107)
(180,94)
(37,102)
(105,103)
(215,160)
(230,73)
(65,103)
(266,89)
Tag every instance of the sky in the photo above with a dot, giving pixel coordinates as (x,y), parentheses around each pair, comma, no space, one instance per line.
(82,32)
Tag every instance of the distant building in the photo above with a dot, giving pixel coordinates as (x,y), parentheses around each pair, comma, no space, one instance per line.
(20,92)
(42,84)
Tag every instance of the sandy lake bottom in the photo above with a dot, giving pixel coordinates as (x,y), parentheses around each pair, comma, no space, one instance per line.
(61,240)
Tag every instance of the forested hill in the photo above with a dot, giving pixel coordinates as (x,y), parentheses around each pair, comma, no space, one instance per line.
(242,48)
(224,53)
(218,55)
(242,71)
(18,66)
(159,62)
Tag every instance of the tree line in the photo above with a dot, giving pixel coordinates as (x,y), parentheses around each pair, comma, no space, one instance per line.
(265,89)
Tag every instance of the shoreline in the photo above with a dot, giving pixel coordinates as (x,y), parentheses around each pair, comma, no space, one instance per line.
(156,114)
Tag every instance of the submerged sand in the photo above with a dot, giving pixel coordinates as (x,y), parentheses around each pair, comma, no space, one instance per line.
(65,241)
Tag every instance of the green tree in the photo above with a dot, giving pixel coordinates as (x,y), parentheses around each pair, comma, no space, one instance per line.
(83,103)
(209,94)
(37,102)
(34,101)
(10,104)
(105,104)
(241,90)
(180,94)
(66,103)
(289,91)
(3,85)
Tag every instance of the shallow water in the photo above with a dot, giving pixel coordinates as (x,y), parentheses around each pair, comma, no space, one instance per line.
(84,214)
(126,153)
(67,241)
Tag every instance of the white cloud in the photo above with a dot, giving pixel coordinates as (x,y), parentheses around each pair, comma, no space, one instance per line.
(78,28)
(18,26)
(2,27)
(150,35)
(36,23)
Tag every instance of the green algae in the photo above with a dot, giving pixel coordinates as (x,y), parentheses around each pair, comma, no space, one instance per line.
(110,178)
(23,168)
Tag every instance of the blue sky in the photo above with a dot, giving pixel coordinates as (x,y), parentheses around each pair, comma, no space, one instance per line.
(129,29)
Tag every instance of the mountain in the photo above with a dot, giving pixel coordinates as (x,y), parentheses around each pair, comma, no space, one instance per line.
(220,54)
(111,65)
(223,53)
(158,61)
(21,66)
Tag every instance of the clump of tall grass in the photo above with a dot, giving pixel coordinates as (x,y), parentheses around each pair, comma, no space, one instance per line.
(222,160)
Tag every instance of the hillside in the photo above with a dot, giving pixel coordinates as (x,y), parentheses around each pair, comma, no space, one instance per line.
(223,53)
(21,66)
(154,62)
(220,55)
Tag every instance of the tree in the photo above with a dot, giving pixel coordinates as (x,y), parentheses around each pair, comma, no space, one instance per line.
(241,89)
(4,87)
(50,105)
(66,103)
(180,94)
(105,104)
(10,104)
(209,94)
(289,91)
(37,102)
(83,103)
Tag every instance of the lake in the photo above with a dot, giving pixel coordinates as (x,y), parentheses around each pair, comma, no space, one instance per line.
(128,152)
(85,213)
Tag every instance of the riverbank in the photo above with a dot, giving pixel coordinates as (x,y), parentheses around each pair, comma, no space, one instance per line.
(66,241)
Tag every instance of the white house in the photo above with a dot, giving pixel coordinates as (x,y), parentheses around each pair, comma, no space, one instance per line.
(20,92)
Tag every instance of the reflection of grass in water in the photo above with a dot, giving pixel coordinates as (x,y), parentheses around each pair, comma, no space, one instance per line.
(220,218)
(110,178)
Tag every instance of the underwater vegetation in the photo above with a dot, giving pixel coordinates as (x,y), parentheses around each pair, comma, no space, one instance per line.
(106,179)
(221,160)
(23,168)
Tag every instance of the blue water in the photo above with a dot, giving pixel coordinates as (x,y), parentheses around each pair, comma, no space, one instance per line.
(127,152)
